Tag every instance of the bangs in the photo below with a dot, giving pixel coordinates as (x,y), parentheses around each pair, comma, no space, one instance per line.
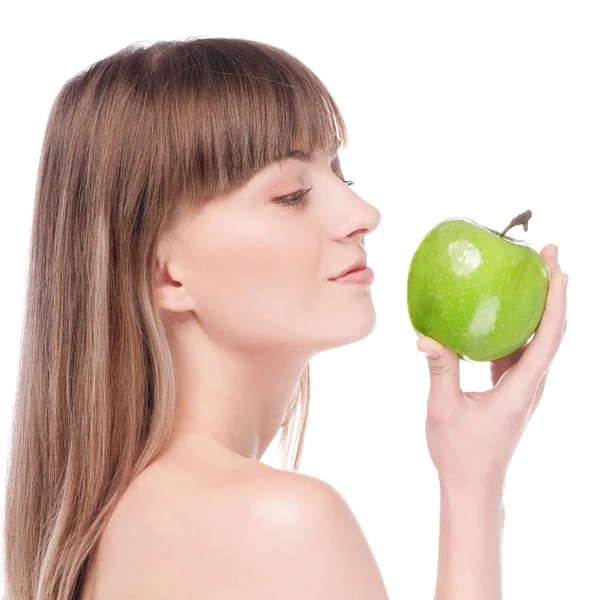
(241,105)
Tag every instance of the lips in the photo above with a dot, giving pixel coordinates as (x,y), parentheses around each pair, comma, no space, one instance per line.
(359,264)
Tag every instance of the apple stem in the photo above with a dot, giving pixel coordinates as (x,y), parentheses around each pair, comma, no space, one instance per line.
(521,219)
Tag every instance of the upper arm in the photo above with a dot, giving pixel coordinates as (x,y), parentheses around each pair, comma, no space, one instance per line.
(307,544)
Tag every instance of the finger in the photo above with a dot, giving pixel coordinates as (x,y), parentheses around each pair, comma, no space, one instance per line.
(540,389)
(499,366)
(444,368)
(540,352)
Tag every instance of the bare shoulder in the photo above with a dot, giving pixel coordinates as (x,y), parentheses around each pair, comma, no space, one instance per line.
(247,531)
(306,529)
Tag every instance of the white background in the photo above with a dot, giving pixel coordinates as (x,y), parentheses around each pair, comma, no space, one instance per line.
(473,109)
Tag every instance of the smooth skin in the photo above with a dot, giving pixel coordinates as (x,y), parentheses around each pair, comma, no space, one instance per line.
(243,284)
(207,519)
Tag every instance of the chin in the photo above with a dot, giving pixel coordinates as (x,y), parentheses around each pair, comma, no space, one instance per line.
(349,332)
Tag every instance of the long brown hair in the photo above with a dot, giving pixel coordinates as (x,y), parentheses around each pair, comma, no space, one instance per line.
(131,142)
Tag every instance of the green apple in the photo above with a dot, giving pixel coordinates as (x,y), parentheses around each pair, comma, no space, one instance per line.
(476,291)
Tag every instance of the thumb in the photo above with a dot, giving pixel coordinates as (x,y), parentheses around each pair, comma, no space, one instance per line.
(444,366)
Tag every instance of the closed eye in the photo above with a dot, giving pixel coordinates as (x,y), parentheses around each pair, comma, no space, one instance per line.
(298,198)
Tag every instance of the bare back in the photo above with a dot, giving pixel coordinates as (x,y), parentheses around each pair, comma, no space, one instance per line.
(152,537)
(208,523)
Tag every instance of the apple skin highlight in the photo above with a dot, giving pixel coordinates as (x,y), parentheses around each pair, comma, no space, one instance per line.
(476,291)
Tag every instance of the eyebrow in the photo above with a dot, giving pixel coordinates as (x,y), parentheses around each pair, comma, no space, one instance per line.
(301,155)
(298,154)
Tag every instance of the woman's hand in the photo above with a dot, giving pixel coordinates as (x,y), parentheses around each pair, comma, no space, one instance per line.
(472,436)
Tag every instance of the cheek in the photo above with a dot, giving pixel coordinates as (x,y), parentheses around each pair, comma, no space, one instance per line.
(256,277)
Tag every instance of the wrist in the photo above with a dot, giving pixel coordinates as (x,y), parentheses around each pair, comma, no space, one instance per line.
(470,546)
(488,496)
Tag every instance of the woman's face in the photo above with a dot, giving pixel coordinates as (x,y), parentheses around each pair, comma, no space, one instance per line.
(256,273)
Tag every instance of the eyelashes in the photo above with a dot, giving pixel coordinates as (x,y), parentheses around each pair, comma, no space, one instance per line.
(299,197)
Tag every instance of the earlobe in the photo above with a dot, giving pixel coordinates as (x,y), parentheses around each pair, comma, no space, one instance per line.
(170,295)
(173,297)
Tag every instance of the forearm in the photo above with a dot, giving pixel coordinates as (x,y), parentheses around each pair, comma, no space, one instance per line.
(470,545)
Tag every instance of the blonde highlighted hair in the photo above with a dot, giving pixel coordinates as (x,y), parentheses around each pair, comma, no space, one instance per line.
(131,143)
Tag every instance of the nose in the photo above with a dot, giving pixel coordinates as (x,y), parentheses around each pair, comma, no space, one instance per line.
(376,217)
(365,220)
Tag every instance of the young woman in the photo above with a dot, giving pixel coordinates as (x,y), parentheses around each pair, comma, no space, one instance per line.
(191,217)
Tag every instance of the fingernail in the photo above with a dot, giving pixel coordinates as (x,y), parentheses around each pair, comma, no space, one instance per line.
(432,354)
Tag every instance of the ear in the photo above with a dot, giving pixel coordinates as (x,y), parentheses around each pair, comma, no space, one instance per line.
(169,291)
